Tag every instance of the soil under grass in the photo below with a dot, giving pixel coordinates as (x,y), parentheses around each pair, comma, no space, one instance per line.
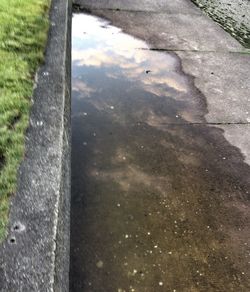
(23,34)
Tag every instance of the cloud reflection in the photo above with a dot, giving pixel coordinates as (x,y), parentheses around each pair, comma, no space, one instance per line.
(97,44)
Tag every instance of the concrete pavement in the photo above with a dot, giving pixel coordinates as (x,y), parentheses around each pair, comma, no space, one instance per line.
(173,166)
(219,64)
(233,15)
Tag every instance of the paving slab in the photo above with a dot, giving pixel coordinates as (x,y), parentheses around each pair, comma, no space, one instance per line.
(224,79)
(177,6)
(173,31)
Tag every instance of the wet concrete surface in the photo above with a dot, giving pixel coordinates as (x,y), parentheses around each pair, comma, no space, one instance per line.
(144,5)
(160,199)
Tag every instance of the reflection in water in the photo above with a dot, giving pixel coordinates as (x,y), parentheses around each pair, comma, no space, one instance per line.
(158,204)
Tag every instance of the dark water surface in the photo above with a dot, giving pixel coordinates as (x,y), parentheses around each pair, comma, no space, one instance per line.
(159,199)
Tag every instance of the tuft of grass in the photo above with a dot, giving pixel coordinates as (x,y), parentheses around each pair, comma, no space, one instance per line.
(23,34)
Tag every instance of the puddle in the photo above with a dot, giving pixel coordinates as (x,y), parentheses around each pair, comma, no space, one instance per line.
(158,204)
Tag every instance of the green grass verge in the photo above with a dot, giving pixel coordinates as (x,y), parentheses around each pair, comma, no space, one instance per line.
(23,33)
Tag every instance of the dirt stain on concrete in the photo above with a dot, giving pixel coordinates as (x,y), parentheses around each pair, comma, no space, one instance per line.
(160,200)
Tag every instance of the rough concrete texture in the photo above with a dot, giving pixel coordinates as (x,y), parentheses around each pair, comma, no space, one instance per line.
(238,135)
(35,256)
(233,15)
(177,6)
(224,79)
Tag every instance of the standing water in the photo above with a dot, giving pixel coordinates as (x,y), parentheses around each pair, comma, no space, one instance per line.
(158,196)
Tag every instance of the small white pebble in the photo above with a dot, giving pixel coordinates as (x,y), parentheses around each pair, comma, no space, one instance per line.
(39,123)
(85,143)
(112,107)
(99,264)
(160,283)
(126,236)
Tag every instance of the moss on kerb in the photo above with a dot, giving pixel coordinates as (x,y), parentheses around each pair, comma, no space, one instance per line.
(232,19)
(24,25)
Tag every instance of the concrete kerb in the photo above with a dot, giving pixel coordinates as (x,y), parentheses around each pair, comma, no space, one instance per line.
(35,255)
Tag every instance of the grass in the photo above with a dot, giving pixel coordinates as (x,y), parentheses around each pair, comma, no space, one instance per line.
(23,34)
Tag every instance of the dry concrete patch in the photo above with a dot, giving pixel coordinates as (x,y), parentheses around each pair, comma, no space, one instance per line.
(35,255)
(224,78)
(237,136)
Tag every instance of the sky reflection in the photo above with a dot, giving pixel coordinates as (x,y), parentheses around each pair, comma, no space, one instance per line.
(99,47)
